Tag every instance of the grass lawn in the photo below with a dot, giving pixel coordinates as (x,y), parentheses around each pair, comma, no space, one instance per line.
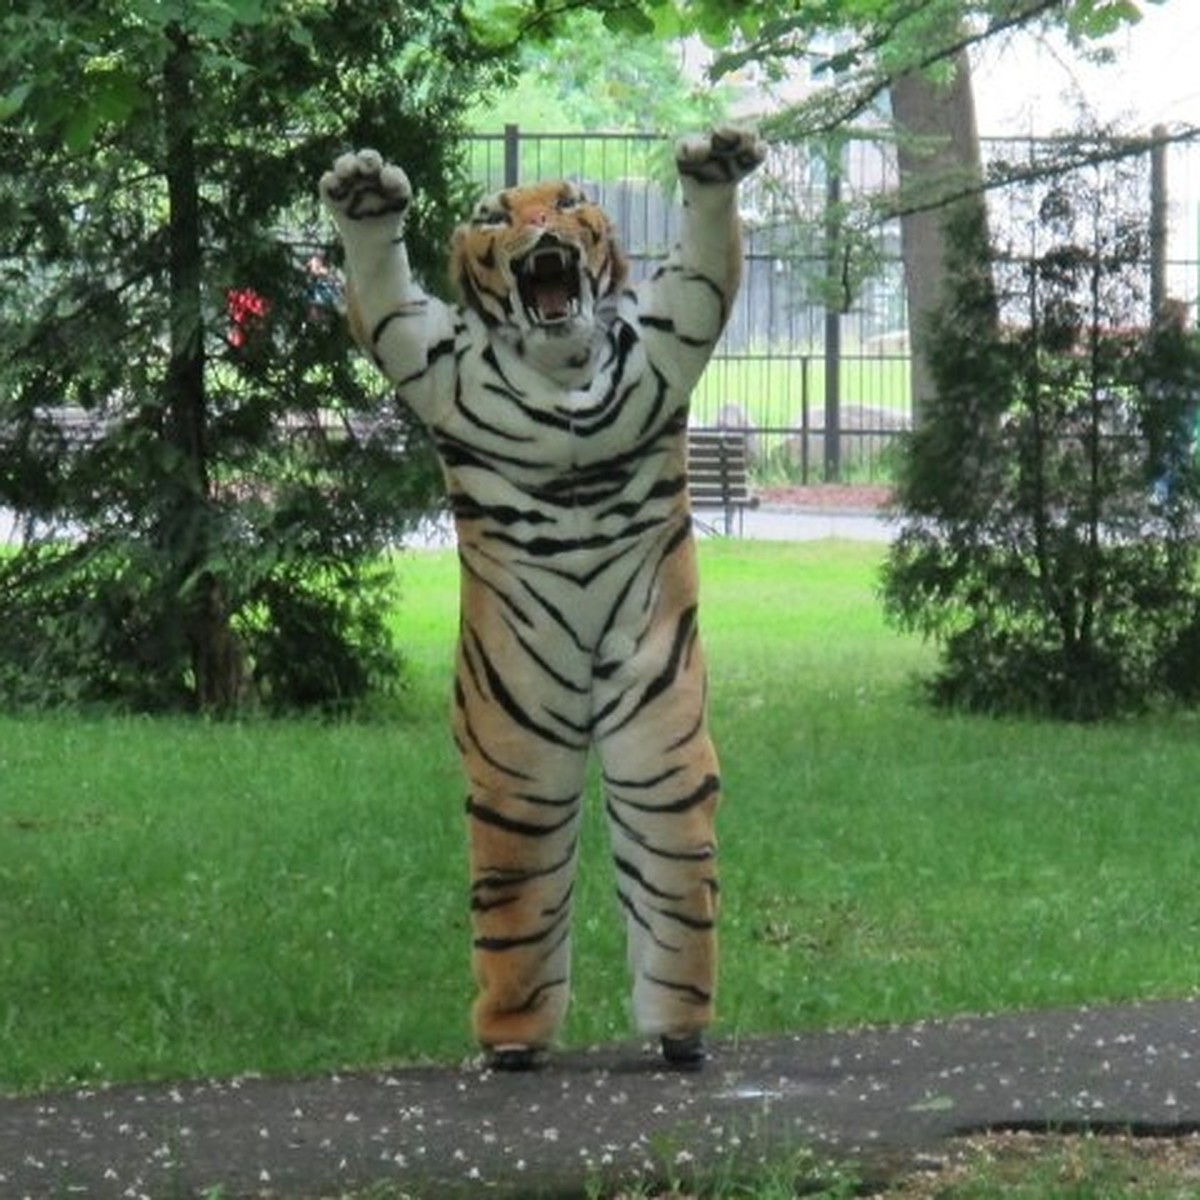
(772,389)
(188,898)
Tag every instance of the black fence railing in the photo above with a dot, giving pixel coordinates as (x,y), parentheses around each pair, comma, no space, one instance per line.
(821,382)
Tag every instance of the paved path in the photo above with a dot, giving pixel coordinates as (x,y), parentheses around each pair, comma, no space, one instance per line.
(777,524)
(875,1096)
(808,524)
(765,523)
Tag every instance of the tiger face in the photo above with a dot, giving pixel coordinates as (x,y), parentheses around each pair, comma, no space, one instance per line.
(537,258)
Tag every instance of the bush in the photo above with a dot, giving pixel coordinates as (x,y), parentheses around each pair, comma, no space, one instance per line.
(1049,495)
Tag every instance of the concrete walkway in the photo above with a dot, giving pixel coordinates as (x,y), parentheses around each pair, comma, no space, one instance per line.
(809,524)
(766,523)
(879,1098)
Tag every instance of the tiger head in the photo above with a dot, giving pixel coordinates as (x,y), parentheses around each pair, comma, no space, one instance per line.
(538,259)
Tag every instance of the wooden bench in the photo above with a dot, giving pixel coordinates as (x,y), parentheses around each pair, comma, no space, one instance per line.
(717,474)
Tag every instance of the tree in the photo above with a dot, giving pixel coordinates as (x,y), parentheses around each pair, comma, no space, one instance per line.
(1051,496)
(167,296)
(596,78)
(880,39)
(913,51)
(937,145)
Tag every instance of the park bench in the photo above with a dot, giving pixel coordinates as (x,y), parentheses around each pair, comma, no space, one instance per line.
(717,475)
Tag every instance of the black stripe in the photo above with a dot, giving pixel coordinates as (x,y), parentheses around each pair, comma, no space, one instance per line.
(653,781)
(628,905)
(689,276)
(499,299)
(499,944)
(685,633)
(456,453)
(689,922)
(662,490)
(487,815)
(467,508)
(554,909)
(435,352)
(695,994)
(480,749)
(497,878)
(710,786)
(410,308)
(504,598)
(535,998)
(666,325)
(628,869)
(580,689)
(695,728)
(538,416)
(548,801)
(551,610)
(487,426)
(704,854)
(550,547)
(585,579)
(508,702)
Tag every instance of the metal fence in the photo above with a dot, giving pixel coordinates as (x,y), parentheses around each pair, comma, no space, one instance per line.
(815,360)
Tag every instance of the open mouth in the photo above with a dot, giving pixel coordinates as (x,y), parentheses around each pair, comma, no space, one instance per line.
(548,282)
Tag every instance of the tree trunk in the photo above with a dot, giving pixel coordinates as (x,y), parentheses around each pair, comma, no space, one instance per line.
(185,372)
(940,167)
(216,665)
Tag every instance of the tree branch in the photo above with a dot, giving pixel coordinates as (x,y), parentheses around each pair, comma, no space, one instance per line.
(1107,149)
(840,103)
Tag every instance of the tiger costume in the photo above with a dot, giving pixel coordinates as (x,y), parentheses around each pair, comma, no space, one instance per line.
(557,397)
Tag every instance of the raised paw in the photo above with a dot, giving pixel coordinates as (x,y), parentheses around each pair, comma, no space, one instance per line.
(363,187)
(725,155)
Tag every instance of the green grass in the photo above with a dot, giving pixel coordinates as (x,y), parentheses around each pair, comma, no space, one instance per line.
(188,898)
(1049,1166)
(772,393)
(772,389)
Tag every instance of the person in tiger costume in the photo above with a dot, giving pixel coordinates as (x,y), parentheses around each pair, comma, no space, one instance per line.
(557,396)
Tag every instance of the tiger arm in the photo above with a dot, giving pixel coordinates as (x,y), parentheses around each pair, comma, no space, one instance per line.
(688,298)
(409,334)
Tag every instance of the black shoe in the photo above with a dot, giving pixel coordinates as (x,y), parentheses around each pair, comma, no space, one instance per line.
(514,1058)
(686,1050)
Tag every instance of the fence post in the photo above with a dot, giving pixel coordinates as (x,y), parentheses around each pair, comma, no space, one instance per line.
(512,155)
(833,316)
(1158,219)
(805,419)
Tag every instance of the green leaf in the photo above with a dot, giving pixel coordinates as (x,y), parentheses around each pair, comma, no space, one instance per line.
(13,101)
(301,35)
(628,20)
(115,97)
(1102,18)
(495,22)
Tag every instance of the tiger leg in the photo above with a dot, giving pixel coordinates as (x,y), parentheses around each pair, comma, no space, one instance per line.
(525,772)
(662,787)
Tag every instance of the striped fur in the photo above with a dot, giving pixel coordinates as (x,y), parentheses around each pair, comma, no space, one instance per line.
(558,399)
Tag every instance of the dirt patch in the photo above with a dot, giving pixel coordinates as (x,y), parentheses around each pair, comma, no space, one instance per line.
(826,497)
(1029,1164)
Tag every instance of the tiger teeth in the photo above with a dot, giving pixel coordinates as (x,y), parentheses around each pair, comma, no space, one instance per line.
(540,259)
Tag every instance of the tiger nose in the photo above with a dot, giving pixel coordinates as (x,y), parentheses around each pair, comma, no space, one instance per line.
(540,218)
